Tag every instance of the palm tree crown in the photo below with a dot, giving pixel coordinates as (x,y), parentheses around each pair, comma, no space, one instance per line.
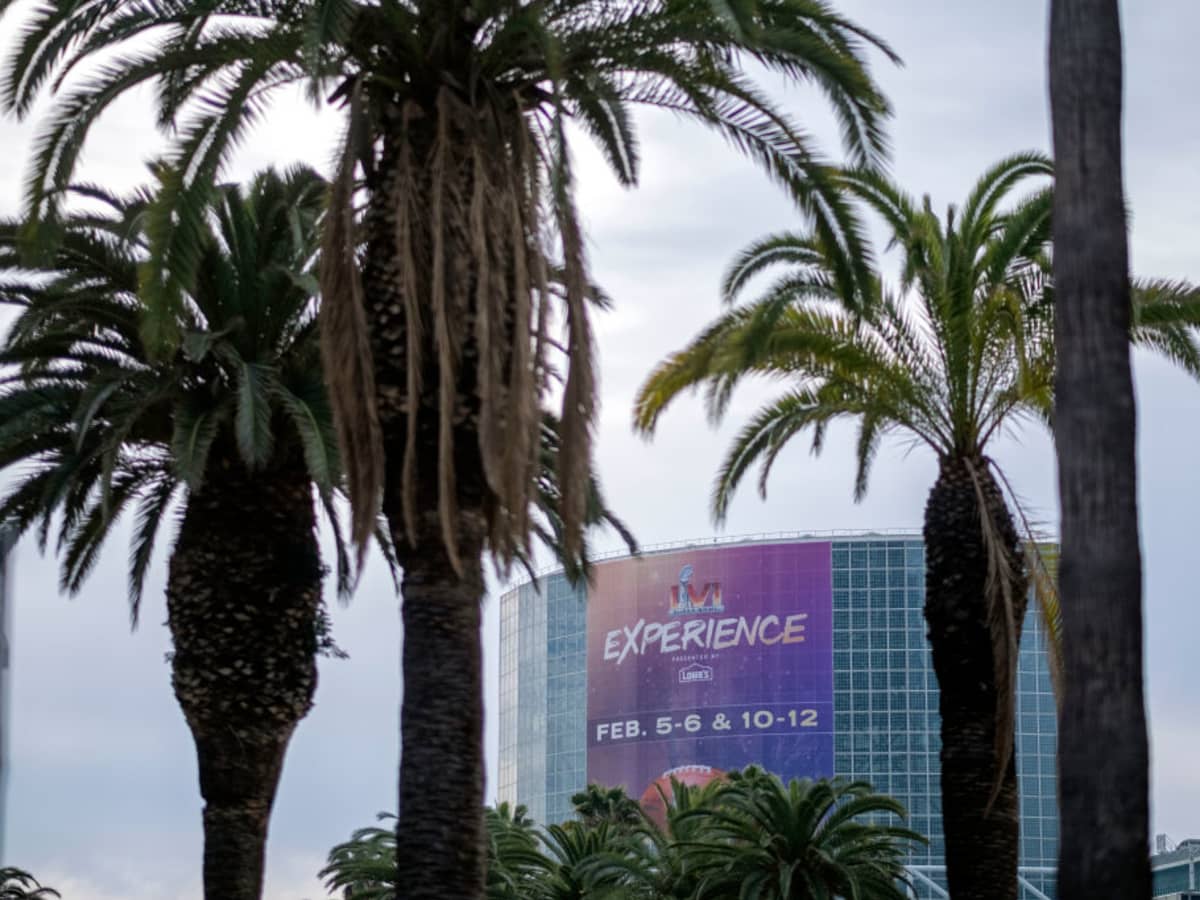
(103,426)
(764,840)
(961,350)
(461,107)
(948,358)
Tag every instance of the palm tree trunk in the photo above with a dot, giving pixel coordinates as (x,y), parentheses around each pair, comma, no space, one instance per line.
(1104,795)
(243,597)
(441,845)
(982,837)
(441,852)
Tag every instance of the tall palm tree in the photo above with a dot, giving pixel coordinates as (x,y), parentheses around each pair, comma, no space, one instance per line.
(438,336)
(764,840)
(961,351)
(1095,430)
(235,427)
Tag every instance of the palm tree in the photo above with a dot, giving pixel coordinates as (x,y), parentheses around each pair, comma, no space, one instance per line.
(596,804)
(657,865)
(16,884)
(567,868)
(364,868)
(235,426)
(439,316)
(1095,433)
(763,840)
(963,350)
(514,859)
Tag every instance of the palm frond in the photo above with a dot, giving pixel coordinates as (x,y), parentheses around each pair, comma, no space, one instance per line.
(151,512)
(1166,319)
(346,353)
(109,427)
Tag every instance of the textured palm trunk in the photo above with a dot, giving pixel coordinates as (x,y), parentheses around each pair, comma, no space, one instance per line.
(441,845)
(1104,795)
(440,840)
(982,837)
(243,598)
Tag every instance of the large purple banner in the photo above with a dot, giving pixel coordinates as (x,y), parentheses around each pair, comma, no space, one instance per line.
(703,661)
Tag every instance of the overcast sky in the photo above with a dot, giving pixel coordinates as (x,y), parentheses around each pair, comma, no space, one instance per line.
(103,799)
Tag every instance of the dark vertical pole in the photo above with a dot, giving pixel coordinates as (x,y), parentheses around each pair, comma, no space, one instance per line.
(1103,757)
(7,540)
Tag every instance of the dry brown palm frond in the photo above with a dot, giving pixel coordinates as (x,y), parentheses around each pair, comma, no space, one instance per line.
(1041,564)
(487,243)
(580,390)
(1043,571)
(407,255)
(488,320)
(1003,574)
(540,271)
(346,349)
(441,301)
(522,437)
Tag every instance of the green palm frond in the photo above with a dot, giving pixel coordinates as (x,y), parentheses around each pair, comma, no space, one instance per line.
(1042,564)
(101,426)
(935,360)
(549,527)
(523,71)
(1166,320)
(993,187)
(304,401)
(151,512)
(17,884)
(196,429)
(364,867)
(255,393)
(761,838)
(564,869)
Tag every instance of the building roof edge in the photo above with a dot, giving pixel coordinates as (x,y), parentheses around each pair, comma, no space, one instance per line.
(732,540)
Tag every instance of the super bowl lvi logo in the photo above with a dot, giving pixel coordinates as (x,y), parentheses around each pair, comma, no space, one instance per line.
(685,599)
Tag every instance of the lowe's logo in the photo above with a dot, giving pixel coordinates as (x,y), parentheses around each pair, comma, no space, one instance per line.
(695,672)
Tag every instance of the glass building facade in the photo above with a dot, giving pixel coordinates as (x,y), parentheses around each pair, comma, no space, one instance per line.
(1176,871)
(886,723)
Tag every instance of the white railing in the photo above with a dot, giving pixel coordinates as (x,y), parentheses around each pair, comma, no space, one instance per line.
(921,875)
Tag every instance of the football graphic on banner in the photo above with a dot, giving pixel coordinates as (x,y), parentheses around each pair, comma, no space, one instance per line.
(693,776)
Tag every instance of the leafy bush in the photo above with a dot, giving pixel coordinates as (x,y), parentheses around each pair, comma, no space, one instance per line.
(749,836)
